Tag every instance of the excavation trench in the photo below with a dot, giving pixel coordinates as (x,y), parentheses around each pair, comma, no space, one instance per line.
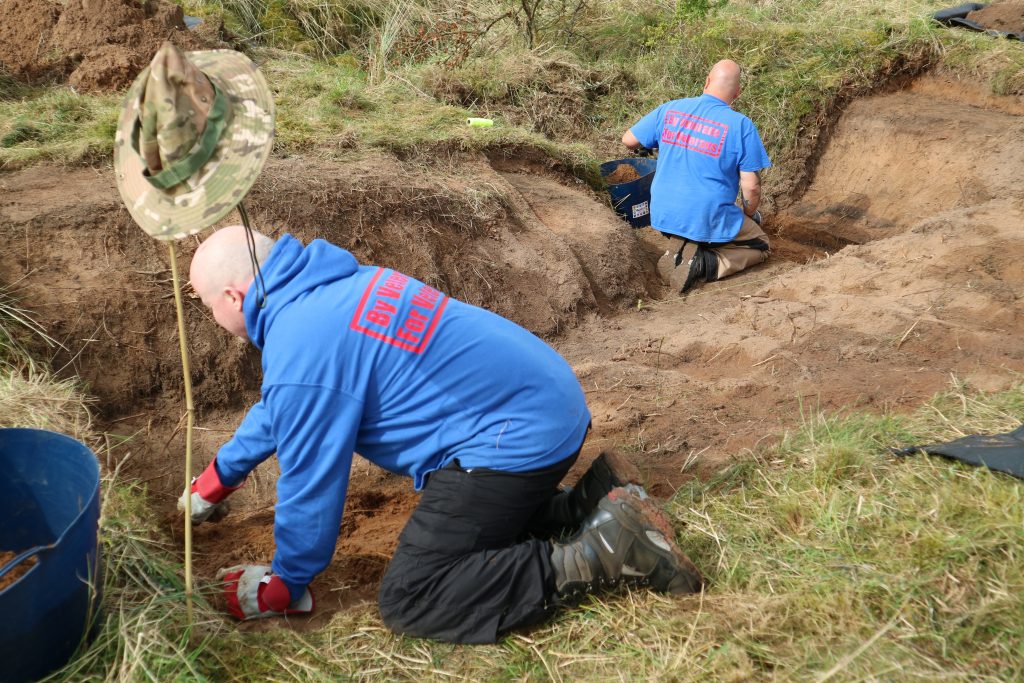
(899,267)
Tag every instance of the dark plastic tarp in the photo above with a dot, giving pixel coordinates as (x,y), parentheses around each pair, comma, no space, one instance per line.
(1000,452)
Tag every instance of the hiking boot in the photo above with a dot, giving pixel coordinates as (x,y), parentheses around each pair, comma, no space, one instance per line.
(626,540)
(609,470)
(703,266)
(567,509)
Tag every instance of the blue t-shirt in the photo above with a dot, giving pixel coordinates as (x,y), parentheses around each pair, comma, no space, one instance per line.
(702,147)
(364,359)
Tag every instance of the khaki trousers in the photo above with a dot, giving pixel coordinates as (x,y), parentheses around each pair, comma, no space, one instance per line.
(732,256)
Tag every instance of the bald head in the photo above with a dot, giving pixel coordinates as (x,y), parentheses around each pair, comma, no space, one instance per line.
(222,271)
(223,260)
(724,81)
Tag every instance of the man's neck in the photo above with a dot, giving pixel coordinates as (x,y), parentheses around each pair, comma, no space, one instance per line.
(718,97)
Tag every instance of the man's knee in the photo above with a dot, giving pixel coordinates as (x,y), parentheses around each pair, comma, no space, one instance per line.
(394,598)
(734,258)
(393,612)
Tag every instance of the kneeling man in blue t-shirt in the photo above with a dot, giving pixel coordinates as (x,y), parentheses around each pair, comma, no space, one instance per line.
(707,153)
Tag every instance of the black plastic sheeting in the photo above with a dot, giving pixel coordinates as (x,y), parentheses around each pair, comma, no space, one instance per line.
(999,452)
(957,16)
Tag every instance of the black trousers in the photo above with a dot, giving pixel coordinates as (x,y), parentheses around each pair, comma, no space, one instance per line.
(474,560)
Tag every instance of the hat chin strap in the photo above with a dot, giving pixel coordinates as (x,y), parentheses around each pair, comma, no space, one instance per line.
(250,243)
(185,167)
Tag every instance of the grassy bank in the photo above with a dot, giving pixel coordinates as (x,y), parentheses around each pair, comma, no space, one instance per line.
(828,559)
(403,76)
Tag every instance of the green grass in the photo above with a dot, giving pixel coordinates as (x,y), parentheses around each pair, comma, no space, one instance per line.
(848,559)
(352,76)
(330,110)
(827,559)
(55,124)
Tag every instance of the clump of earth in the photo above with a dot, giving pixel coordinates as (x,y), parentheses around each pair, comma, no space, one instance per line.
(1007,17)
(95,45)
(623,173)
(12,576)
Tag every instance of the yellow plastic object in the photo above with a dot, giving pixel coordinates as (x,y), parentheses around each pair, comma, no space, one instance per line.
(480,123)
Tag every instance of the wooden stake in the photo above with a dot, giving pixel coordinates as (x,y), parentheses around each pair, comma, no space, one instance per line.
(189,411)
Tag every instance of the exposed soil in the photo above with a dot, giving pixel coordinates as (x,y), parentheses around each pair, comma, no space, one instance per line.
(96,45)
(12,576)
(1007,17)
(623,173)
(899,269)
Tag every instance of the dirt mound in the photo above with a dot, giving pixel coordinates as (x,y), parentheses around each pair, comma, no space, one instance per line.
(96,45)
(623,173)
(1007,17)
(466,231)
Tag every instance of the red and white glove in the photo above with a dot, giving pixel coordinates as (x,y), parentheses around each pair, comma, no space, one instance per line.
(208,496)
(252,591)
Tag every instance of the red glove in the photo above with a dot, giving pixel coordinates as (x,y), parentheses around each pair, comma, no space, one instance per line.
(208,496)
(253,592)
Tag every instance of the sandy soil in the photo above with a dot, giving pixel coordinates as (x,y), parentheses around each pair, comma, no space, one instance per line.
(897,271)
(1007,17)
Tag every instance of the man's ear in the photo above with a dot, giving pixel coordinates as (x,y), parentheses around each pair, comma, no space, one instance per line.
(235,296)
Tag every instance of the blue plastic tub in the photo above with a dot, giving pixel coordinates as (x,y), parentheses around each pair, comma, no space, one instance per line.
(50,507)
(632,200)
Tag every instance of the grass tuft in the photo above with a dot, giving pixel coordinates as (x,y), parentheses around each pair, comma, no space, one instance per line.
(18,328)
(30,397)
(56,124)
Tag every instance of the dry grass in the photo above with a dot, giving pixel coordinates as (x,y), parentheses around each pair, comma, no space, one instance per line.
(30,397)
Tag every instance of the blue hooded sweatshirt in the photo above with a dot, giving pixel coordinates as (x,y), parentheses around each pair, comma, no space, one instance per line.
(365,359)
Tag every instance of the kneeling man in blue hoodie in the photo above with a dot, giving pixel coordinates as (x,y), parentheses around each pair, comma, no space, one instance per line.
(483,416)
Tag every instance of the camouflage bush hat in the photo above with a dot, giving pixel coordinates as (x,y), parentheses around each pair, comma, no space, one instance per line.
(195,131)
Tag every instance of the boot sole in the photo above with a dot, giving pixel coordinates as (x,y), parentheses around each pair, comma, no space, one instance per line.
(643,516)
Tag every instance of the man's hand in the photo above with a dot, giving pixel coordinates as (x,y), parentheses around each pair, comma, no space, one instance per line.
(208,497)
(252,591)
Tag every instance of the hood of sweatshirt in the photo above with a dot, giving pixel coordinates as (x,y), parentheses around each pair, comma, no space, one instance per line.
(287,276)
